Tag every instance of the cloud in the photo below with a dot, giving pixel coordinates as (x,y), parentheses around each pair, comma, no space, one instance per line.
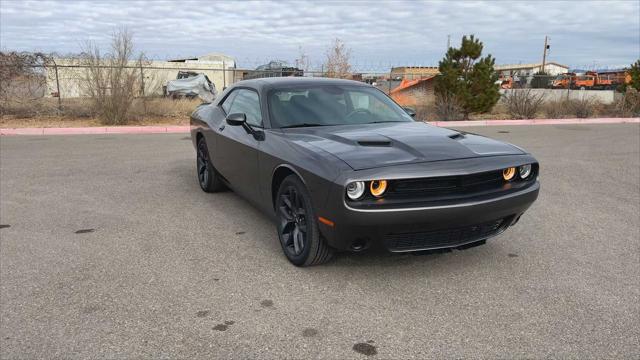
(379,33)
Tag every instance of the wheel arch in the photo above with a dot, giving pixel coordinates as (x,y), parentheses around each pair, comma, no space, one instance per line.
(279,174)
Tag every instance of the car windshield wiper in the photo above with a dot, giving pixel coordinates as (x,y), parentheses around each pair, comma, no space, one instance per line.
(301,125)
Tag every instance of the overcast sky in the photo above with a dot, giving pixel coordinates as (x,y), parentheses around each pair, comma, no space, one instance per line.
(582,34)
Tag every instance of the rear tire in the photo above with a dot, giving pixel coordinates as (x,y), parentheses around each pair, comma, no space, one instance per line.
(297,226)
(208,177)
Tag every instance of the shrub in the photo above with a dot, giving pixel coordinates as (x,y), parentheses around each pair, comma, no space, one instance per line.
(448,108)
(626,105)
(541,80)
(555,109)
(110,81)
(523,103)
(583,108)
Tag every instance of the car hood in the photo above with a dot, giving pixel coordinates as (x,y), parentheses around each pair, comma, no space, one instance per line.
(375,145)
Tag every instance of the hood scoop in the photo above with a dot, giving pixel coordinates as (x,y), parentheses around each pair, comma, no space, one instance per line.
(375,143)
(456,136)
(373,140)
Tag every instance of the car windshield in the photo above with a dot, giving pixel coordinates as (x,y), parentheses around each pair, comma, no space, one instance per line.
(323,105)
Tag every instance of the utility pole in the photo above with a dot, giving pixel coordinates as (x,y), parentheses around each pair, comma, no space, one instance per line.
(544,54)
(448,42)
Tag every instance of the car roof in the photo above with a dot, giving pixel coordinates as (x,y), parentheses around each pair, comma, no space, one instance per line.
(276,82)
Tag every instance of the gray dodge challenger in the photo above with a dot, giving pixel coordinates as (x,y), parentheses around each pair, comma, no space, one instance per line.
(341,167)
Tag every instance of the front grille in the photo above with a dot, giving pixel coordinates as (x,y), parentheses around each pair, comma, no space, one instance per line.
(445,237)
(447,184)
(443,190)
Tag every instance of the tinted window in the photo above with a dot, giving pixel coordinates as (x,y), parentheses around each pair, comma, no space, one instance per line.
(226,105)
(323,105)
(248,103)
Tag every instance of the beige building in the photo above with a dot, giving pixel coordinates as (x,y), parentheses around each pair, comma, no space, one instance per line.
(413,72)
(551,68)
(219,68)
(422,72)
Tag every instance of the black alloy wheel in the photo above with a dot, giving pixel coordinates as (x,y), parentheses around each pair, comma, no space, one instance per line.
(293,218)
(207,176)
(298,230)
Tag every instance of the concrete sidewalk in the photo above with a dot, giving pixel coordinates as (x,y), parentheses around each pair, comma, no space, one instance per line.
(185,129)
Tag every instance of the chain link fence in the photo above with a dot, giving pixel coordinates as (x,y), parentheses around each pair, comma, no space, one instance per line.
(49,86)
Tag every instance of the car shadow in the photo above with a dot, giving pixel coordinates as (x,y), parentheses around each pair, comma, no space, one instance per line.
(260,223)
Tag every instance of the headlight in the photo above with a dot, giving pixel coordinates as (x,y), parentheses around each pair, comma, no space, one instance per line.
(508,173)
(355,190)
(378,187)
(525,171)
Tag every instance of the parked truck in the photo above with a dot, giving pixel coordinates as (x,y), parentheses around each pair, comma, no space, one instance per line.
(589,80)
(563,81)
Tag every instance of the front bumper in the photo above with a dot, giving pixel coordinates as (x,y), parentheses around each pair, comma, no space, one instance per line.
(428,227)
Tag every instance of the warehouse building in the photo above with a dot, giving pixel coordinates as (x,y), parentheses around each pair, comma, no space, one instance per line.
(551,68)
(413,72)
(219,68)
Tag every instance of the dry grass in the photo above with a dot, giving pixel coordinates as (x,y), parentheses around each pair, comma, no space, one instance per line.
(163,107)
(78,112)
(555,109)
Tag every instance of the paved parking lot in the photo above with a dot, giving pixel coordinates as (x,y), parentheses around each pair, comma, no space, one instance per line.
(109,249)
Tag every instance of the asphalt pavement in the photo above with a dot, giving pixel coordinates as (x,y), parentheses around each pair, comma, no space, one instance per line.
(109,249)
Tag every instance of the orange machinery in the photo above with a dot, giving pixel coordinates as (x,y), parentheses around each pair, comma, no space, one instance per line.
(563,81)
(593,80)
(587,81)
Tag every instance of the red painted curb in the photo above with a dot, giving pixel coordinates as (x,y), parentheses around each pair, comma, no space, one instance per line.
(97,130)
(186,128)
(535,122)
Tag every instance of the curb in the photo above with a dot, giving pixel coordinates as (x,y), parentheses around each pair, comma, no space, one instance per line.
(98,130)
(186,128)
(535,122)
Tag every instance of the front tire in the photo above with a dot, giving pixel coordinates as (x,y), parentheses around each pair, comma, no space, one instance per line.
(208,177)
(297,226)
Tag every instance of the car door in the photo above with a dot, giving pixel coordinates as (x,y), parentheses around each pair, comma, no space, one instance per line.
(237,150)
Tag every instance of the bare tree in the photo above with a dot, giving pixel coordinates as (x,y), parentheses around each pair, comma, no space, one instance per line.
(22,76)
(113,80)
(337,64)
(448,107)
(523,103)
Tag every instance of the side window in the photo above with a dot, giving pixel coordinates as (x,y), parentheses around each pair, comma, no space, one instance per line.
(226,105)
(247,102)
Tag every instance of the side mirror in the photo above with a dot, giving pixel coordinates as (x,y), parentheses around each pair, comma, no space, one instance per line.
(236,119)
(240,119)
(410,111)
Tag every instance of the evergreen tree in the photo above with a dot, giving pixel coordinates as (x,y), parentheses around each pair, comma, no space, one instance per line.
(468,77)
(635,75)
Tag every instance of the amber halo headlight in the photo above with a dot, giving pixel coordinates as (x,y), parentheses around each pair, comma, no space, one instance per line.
(525,171)
(355,190)
(509,173)
(378,187)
